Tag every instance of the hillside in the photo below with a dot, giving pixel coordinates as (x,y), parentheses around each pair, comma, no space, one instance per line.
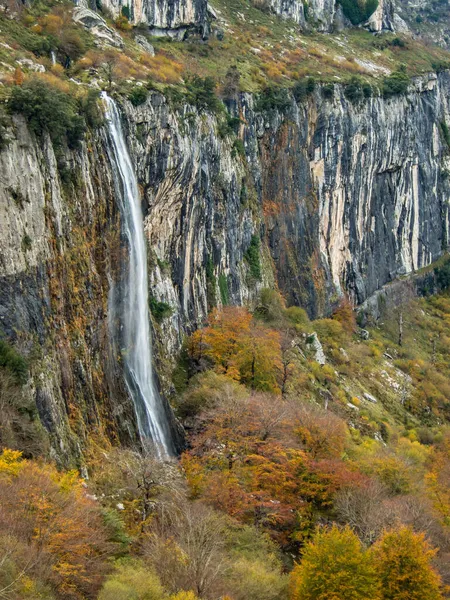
(224,300)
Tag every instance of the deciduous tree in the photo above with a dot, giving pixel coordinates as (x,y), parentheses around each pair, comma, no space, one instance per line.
(334,566)
(403,562)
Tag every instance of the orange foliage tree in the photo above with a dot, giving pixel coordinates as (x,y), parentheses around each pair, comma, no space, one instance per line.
(239,347)
(242,463)
(51,514)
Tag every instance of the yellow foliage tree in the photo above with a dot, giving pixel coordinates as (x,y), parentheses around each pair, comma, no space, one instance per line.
(334,567)
(10,462)
(403,562)
(183,595)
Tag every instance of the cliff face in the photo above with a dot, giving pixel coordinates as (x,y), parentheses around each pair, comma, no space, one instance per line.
(164,17)
(59,240)
(341,197)
(344,197)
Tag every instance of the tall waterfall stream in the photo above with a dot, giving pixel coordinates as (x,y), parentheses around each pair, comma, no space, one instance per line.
(134,318)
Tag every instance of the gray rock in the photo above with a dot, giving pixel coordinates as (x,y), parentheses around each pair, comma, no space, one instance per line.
(145,44)
(27,63)
(370,398)
(319,354)
(164,16)
(94,23)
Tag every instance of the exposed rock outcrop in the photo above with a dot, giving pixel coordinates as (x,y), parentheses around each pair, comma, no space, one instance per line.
(94,23)
(173,18)
(326,15)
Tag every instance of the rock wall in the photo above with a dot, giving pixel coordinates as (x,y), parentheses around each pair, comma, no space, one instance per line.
(342,198)
(327,16)
(164,17)
(59,243)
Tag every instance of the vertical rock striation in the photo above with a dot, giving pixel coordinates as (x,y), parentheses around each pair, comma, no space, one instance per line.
(164,17)
(338,198)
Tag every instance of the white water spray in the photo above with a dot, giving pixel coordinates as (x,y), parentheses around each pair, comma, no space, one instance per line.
(151,416)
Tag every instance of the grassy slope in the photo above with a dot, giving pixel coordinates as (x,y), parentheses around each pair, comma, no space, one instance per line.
(265,49)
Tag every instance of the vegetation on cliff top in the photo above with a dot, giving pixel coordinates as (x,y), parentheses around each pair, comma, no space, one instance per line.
(261,49)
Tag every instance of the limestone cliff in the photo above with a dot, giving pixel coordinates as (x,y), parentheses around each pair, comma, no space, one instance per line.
(164,17)
(337,197)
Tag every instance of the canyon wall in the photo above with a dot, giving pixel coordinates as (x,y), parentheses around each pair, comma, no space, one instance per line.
(335,197)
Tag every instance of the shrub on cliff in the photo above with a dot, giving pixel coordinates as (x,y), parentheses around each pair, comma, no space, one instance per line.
(442,274)
(47,109)
(358,11)
(138,96)
(252,257)
(273,98)
(303,88)
(3,129)
(396,83)
(13,361)
(201,92)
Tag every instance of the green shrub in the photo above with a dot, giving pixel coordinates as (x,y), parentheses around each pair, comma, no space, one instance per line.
(3,129)
(228,126)
(160,310)
(47,109)
(27,242)
(395,83)
(358,11)
(252,257)
(273,98)
(132,580)
(116,528)
(353,91)
(328,91)
(238,148)
(303,88)
(210,283)
(13,361)
(445,133)
(90,109)
(398,42)
(126,12)
(223,287)
(442,275)
(138,95)
(384,42)
(201,93)
(440,65)
(367,90)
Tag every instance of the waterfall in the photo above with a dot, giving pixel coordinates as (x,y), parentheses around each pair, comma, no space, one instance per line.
(134,312)
(53,57)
